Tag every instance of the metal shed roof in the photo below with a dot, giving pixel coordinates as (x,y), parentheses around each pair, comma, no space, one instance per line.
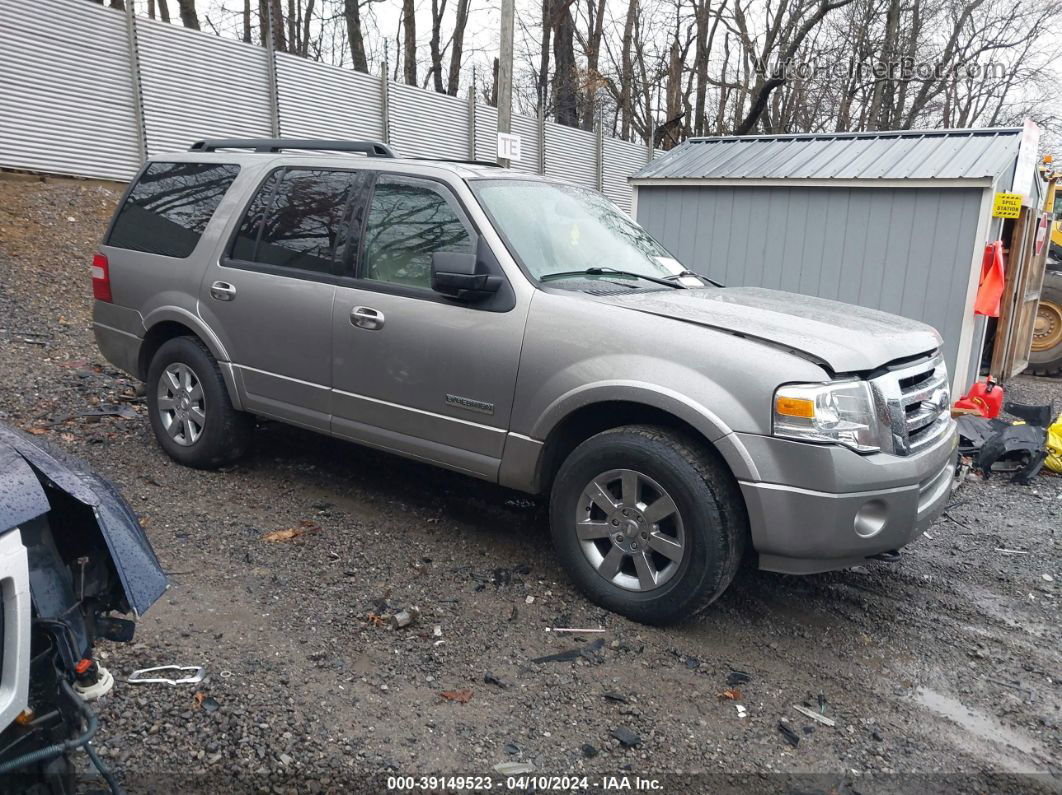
(891,155)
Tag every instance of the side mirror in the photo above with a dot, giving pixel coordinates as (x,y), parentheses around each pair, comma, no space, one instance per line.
(465,277)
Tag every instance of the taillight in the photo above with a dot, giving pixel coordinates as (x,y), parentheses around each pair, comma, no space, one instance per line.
(101,278)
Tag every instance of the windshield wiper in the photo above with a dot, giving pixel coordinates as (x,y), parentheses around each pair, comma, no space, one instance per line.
(608,272)
(701,276)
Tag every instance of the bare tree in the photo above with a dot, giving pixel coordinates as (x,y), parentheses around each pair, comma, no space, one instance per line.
(189,18)
(355,37)
(409,42)
(457,46)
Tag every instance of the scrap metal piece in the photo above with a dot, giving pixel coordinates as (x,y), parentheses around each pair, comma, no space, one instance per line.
(810,713)
(137,677)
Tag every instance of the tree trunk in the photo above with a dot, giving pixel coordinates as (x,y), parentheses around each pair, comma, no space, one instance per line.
(304,45)
(453,79)
(702,49)
(542,83)
(189,18)
(247,21)
(565,86)
(626,77)
(438,11)
(293,28)
(881,101)
(164,11)
(352,13)
(409,42)
(596,27)
(276,26)
(491,94)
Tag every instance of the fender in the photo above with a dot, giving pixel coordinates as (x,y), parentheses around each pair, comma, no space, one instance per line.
(193,322)
(709,424)
(196,325)
(520,464)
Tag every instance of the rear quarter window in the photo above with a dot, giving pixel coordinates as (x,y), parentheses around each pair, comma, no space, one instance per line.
(170,206)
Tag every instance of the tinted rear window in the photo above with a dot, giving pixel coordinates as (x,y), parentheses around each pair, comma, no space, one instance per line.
(170,206)
(298,219)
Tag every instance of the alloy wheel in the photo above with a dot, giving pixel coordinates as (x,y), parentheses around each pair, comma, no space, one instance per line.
(630,530)
(181,404)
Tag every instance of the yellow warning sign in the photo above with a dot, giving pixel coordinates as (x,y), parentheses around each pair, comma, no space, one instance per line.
(1006,205)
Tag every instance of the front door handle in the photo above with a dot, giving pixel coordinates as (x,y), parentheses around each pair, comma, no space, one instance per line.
(364,317)
(223,291)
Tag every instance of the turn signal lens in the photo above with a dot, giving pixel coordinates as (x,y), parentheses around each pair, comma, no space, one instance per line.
(794,407)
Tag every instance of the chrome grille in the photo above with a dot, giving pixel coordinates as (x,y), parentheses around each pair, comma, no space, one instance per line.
(914,400)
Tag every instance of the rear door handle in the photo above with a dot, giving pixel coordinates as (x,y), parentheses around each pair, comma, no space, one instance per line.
(365,317)
(223,291)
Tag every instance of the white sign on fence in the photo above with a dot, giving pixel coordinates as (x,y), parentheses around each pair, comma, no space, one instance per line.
(509,146)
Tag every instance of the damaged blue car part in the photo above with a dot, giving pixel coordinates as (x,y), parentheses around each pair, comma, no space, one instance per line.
(71,553)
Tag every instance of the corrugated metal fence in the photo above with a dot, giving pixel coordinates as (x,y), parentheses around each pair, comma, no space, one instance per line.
(90,91)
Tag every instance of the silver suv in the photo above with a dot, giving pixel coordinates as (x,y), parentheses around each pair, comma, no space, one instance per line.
(525,331)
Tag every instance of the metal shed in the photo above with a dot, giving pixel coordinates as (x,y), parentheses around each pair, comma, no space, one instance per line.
(895,221)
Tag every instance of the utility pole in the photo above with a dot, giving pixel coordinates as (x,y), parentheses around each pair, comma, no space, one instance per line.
(505,72)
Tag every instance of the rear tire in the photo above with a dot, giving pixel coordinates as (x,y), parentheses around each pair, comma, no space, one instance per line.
(1045,358)
(190,410)
(649,522)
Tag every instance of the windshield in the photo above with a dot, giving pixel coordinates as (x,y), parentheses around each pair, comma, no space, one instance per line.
(563,229)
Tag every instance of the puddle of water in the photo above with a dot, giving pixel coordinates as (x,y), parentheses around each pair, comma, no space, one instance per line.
(975,721)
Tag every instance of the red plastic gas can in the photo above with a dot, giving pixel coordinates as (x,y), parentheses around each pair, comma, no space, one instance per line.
(987,396)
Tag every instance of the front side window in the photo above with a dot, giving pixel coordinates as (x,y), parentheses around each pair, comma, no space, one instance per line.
(558,229)
(168,209)
(298,220)
(409,220)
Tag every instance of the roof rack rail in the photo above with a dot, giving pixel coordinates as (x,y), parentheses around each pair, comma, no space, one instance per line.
(459,161)
(368,148)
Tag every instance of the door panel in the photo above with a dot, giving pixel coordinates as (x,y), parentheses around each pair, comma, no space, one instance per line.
(414,372)
(278,333)
(435,381)
(271,299)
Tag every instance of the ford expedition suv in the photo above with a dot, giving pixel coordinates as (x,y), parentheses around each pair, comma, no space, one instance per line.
(522,330)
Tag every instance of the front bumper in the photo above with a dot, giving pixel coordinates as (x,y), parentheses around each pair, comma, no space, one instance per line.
(872,504)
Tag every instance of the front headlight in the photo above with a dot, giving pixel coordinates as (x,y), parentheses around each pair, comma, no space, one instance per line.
(841,413)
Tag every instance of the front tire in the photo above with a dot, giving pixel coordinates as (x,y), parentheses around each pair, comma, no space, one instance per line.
(191,414)
(649,522)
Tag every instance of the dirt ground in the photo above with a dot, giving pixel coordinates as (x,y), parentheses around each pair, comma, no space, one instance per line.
(941,671)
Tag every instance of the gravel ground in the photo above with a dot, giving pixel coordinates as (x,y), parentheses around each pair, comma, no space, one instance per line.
(941,671)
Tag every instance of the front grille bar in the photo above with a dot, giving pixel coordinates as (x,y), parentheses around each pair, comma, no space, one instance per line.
(920,414)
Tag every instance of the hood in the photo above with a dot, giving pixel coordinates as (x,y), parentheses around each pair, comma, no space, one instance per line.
(25,463)
(843,337)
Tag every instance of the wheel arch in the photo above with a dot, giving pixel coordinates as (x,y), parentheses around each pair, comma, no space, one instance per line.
(165,325)
(571,428)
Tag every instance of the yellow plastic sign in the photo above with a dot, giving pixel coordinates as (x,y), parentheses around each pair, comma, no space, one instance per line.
(1006,205)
